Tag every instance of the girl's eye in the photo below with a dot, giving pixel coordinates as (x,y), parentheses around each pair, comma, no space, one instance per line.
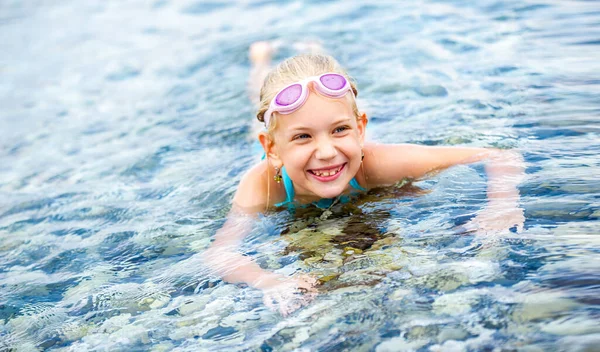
(301,136)
(340,129)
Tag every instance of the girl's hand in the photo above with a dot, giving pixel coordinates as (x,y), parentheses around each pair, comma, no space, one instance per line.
(496,218)
(290,294)
(505,170)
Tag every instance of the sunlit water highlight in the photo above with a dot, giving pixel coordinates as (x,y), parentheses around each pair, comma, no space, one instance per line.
(125,129)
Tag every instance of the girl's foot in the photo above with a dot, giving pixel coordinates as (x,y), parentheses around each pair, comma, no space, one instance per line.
(260,53)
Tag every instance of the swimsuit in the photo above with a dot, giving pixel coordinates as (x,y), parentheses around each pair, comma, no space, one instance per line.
(323,203)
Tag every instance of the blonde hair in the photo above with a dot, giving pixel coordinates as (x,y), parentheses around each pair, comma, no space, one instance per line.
(296,69)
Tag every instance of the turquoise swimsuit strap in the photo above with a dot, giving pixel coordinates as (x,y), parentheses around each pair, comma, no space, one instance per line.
(355,185)
(288,185)
(289,189)
(290,193)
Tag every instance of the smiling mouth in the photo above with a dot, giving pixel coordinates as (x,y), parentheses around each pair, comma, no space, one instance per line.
(327,173)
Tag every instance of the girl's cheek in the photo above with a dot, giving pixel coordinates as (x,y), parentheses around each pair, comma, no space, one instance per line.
(296,152)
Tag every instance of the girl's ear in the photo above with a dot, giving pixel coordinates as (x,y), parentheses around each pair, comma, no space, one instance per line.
(268,145)
(362,126)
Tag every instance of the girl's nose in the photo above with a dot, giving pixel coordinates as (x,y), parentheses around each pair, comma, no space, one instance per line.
(325,150)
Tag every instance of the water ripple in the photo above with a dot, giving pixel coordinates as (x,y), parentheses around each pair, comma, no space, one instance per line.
(121,153)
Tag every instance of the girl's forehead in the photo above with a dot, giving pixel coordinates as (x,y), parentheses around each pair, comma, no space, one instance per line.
(317,109)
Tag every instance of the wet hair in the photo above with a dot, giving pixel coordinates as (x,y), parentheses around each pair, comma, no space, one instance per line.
(295,69)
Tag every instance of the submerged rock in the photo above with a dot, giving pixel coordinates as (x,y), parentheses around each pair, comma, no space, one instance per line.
(400,294)
(115,323)
(72,331)
(337,250)
(311,241)
(400,344)
(386,241)
(133,334)
(444,280)
(154,301)
(542,305)
(431,91)
(450,333)
(162,347)
(353,288)
(219,332)
(572,325)
(241,317)
(358,262)
(586,343)
(457,303)
(477,270)
(193,305)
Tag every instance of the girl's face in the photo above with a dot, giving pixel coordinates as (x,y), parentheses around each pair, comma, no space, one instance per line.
(320,145)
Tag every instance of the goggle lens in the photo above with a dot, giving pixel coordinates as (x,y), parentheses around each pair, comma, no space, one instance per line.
(333,81)
(289,95)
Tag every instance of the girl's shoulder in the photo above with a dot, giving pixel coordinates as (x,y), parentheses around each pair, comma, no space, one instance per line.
(257,189)
(385,164)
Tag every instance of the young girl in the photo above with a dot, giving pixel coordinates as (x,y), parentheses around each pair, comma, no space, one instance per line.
(316,155)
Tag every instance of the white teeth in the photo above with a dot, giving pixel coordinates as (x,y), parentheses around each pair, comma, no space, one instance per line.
(327,173)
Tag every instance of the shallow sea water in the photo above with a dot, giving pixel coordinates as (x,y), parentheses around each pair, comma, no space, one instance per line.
(125,128)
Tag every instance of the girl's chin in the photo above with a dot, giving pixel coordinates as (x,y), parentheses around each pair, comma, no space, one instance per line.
(329,191)
(329,195)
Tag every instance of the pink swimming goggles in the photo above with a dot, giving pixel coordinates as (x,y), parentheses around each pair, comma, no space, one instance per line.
(292,97)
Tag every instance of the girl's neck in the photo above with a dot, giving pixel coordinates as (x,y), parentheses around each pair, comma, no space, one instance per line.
(304,197)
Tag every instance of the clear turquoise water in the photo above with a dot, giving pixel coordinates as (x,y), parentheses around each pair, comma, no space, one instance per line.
(125,128)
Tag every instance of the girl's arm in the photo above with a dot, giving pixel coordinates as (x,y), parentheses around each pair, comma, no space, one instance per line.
(224,259)
(388,164)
